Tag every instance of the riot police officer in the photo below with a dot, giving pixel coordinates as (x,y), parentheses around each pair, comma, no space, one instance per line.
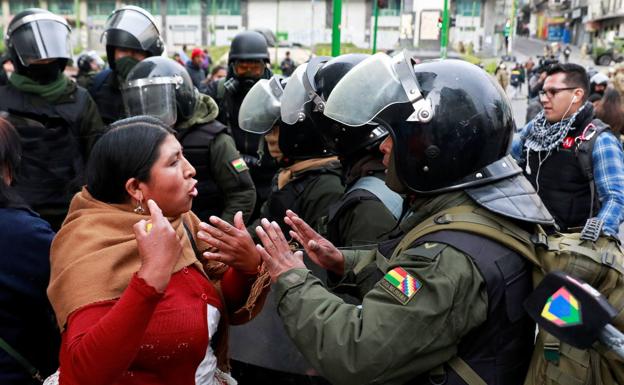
(368,210)
(130,35)
(57,120)
(248,61)
(89,64)
(436,308)
(309,182)
(160,87)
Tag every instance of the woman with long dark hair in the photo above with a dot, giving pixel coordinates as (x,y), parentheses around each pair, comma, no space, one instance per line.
(26,318)
(134,303)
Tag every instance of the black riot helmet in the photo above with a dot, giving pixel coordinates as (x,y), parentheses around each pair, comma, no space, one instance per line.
(86,58)
(318,83)
(160,87)
(134,28)
(84,62)
(36,34)
(451,124)
(249,45)
(260,112)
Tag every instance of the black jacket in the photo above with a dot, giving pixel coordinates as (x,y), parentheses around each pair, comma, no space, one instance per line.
(26,318)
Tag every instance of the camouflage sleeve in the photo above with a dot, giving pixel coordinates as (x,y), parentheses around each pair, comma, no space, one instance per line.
(443,298)
(232,177)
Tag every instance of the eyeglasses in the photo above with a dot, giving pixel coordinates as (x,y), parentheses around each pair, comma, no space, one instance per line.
(550,93)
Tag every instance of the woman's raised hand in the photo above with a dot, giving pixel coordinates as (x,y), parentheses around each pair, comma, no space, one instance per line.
(159,248)
(320,250)
(232,244)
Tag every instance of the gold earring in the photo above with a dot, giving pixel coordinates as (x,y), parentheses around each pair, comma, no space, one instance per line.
(139,208)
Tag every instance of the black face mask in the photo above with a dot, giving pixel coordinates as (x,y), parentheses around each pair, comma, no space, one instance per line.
(239,86)
(41,73)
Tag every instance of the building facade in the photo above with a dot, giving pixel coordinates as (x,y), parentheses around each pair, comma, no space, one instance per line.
(401,23)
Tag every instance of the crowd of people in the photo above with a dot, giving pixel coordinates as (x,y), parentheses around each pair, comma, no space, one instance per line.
(171,221)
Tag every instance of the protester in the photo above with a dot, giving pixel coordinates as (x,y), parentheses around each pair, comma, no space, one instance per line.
(218,72)
(611,111)
(598,84)
(130,294)
(26,318)
(618,78)
(566,53)
(287,65)
(529,66)
(502,76)
(547,147)
(194,67)
(516,79)
(176,57)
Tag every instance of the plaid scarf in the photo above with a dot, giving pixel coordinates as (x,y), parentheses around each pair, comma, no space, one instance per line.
(546,136)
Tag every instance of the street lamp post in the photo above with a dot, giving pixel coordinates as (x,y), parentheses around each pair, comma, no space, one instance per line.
(376,13)
(445,27)
(276,30)
(336,27)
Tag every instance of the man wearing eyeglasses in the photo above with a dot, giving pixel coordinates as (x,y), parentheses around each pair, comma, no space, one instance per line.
(572,159)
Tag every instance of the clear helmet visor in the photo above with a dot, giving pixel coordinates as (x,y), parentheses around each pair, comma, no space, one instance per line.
(135,23)
(261,107)
(365,91)
(41,39)
(295,97)
(154,96)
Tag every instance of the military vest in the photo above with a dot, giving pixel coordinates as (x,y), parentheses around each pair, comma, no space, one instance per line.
(498,350)
(598,262)
(565,183)
(52,165)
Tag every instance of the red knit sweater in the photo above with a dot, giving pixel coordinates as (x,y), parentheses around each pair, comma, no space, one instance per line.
(145,337)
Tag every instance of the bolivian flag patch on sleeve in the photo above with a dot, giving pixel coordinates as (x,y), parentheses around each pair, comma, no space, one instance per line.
(400,285)
(239,165)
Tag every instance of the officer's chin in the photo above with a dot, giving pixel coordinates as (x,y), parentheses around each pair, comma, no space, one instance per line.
(392,179)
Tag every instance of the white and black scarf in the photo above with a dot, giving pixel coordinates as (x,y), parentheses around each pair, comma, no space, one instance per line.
(546,136)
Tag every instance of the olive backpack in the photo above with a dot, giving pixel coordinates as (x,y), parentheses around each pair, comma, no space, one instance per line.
(599,261)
